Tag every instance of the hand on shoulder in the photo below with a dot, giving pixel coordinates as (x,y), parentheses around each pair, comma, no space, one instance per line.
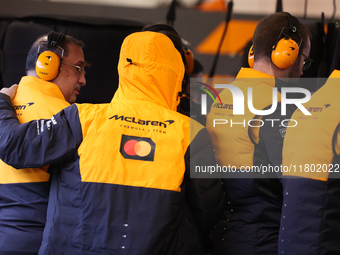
(11,91)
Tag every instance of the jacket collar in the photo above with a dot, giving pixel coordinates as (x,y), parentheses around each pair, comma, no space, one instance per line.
(45,86)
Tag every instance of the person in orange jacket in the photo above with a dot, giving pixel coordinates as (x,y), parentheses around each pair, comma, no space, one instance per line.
(24,193)
(310,214)
(250,226)
(122,182)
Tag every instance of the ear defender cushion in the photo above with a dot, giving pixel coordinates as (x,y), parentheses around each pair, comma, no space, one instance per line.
(47,66)
(251,57)
(285,53)
(189,57)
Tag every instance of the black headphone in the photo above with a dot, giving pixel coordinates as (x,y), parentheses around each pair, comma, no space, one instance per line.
(50,57)
(285,50)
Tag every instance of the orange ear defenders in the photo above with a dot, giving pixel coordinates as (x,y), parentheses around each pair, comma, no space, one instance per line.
(285,51)
(251,57)
(48,61)
(189,59)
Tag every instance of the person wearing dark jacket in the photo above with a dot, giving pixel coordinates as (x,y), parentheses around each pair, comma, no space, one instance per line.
(121,182)
(250,225)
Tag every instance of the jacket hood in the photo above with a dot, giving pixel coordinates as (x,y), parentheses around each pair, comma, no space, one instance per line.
(150,69)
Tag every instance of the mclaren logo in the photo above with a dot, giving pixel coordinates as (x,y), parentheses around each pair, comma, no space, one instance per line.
(314,109)
(22,106)
(142,122)
(224,106)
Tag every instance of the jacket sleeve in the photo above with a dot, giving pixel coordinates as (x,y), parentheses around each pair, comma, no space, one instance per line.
(204,195)
(39,142)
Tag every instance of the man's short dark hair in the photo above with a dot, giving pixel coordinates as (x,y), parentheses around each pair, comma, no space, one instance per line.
(268,30)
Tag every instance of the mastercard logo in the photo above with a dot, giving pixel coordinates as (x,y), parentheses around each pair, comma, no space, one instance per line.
(138,148)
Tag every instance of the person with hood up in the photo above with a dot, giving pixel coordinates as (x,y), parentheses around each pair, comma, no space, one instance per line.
(121,182)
